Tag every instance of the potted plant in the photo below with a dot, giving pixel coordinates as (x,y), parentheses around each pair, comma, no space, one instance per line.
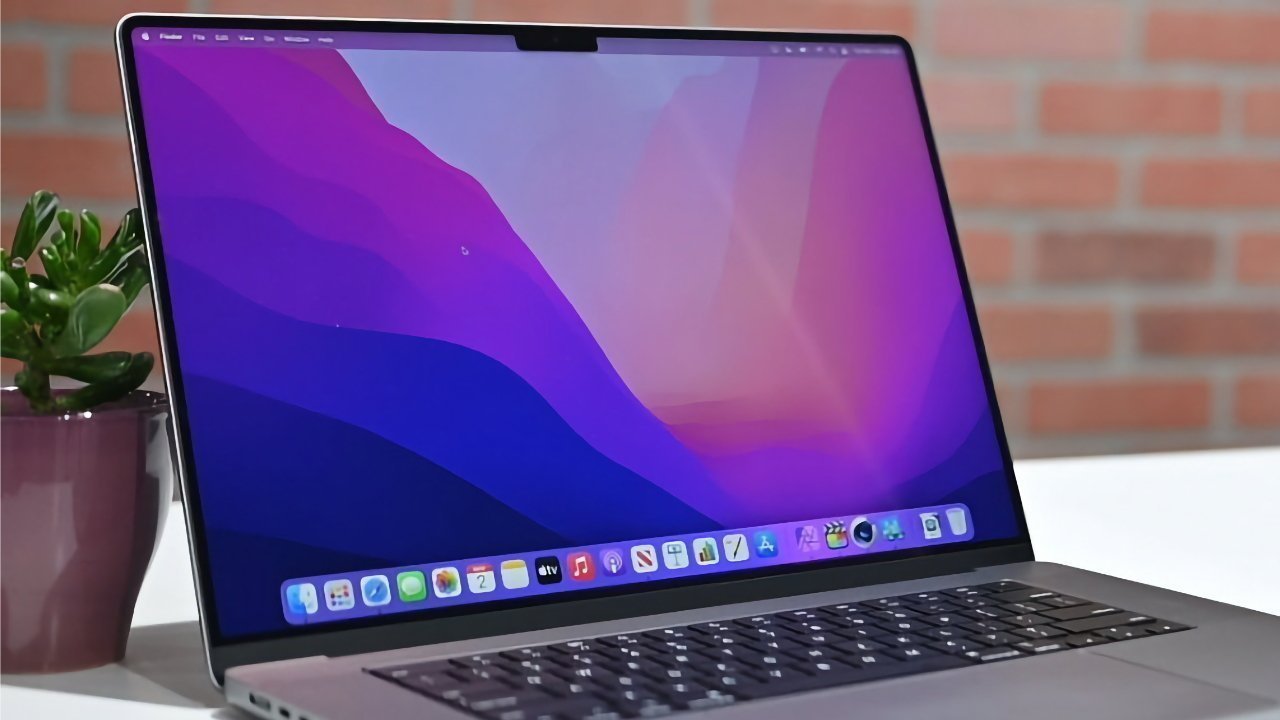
(84,471)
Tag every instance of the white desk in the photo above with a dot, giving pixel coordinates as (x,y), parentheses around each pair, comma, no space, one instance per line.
(1201,523)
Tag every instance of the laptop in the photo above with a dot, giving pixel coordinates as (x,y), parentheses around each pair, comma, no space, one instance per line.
(527,371)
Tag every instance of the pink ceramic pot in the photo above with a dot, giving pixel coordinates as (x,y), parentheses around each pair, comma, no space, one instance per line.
(84,496)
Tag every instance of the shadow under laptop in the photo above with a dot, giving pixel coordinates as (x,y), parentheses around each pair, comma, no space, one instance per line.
(164,665)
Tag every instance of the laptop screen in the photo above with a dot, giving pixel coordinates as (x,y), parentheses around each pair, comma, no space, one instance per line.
(457,326)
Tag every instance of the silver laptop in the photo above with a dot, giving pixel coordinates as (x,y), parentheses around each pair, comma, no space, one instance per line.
(595,372)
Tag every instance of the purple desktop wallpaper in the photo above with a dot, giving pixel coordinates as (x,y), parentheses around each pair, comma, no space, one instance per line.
(441,305)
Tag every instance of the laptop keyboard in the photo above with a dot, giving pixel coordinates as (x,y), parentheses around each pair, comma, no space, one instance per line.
(708,665)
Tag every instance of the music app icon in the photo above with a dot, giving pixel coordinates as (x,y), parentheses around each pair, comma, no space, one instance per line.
(582,567)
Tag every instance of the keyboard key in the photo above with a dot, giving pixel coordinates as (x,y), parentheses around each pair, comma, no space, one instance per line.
(1026,620)
(922,598)
(680,691)
(780,673)
(816,653)
(1103,621)
(997,654)
(938,608)
(710,700)
(987,626)
(910,652)
(904,626)
(1076,612)
(1126,632)
(1076,641)
(1160,627)
(827,667)
(859,646)
(958,647)
(1023,595)
(893,615)
(1036,647)
(991,612)
(1003,586)
(1039,632)
(943,633)
(1062,601)
(902,639)
(996,638)
(866,632)
(873,659)
(1023,608)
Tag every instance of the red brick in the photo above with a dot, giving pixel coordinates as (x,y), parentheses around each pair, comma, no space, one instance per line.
(1235,36)
(888,16)
(24,80)
(1205,331)
(611,12)
(93,83)
(9,226)
(988,256)
(1130,108)
(85,12)
(417,9)
(1032,181)
(1031,29)
(1046,332)
(1257,401)
(1258,258)
(1219,182)
(971,104)
(1107,405)
(74,166)
(1130,256)
(1012,400)
(1262,112)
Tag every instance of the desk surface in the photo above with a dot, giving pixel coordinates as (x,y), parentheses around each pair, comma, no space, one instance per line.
(1200,523)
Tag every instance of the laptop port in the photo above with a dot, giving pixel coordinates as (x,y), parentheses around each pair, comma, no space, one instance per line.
(258,702)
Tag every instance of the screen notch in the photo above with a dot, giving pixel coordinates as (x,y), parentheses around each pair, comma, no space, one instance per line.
(551,38)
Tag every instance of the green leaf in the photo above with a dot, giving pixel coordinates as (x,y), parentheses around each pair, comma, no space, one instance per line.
(18,271)
(126,240)
(114,388)
(34,222)
(91,368)
(8,289)
(90,238)
(65,238)
(128,229)
(49,306)
(54,267)
(135,278)
(15,335)
(93,314)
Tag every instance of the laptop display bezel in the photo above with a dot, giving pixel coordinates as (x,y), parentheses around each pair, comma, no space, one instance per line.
(482,620)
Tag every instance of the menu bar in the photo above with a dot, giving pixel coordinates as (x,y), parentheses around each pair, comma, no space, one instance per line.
(383,591)
(356,40)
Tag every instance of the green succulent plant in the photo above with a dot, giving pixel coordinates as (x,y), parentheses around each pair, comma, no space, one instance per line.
(50,321)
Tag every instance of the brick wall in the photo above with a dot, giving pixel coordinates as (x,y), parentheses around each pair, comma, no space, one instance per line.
(1115,165)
